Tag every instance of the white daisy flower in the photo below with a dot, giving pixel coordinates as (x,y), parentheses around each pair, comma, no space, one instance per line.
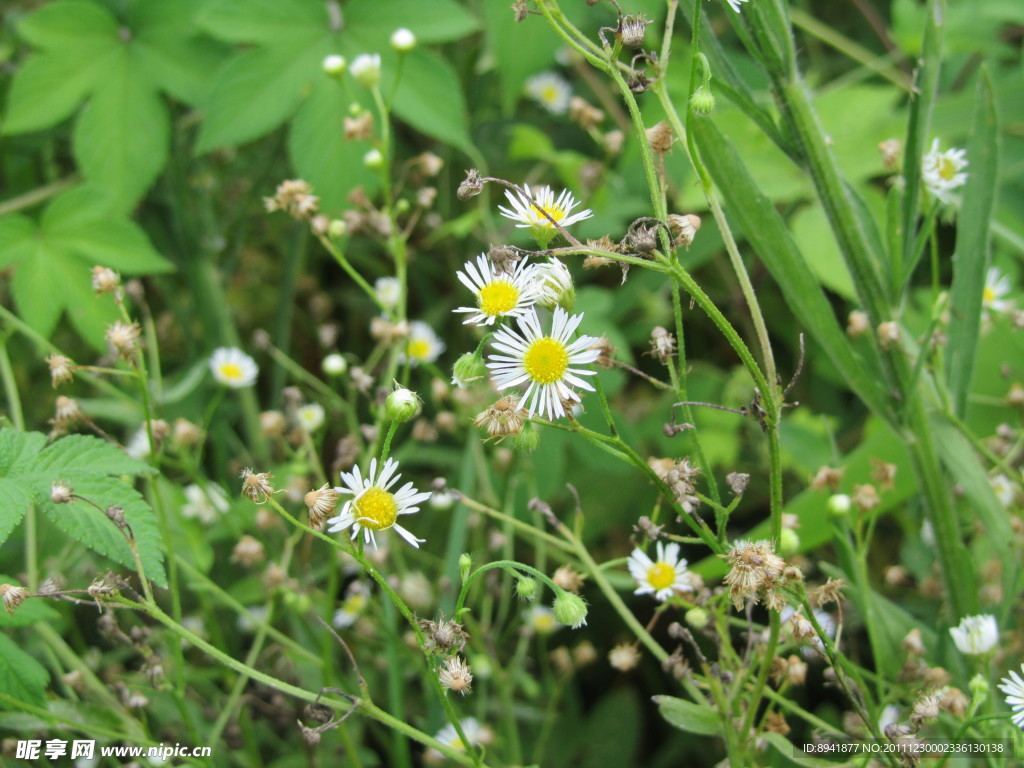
(541,619)
(551,91)
(545,361)
(528,212)
(205,504)
(737,4)
(388,290)
(555,285)
(423,345)
(997,285)
(352,607)
(476,734)
(976,634)
(1013,687)
(233,368)
(941,171)
(310,417)
(1003,489)
(662,577)
(498,294)
(373,507)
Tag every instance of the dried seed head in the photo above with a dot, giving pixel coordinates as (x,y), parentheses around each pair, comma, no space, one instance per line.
(12,597)
(503,418)
(105,280)
(456,675)
(569,579)
(646,527)
(521,9)
(273,424)
(892,152)
(953,700)
(51,585)
(684,228)
(605,359)
(613,141)
(883,473)
(660,137)
(248,552)
(358,127)
(584,114)
(912,643)
(925,709)
(624,657)
(865,497)
(471,186)
(61,369)
(444,636)
(60,492)
(754,567)
(632,29)
(295,197)
(796,670)
(643,238)
(66,413)
(663,344)
(827,593)
(123,338)
(857,324)
(256,486)
(503,257)
(827,477)
(1015,396)
(321,504)
(185,433)
(737,482)
(888,334)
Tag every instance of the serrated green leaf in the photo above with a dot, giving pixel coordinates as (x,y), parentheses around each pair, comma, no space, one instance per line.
(16,238)
(47,89)
(688,716)
(429,98)
(29,612)
(971,257)
(21,676)
(257,91)
(38,303)
(438,21)
(18,450)
(318,149)
(70,25)
(91,527)
(15,500)
(264,21)
(88,455)
(122,137)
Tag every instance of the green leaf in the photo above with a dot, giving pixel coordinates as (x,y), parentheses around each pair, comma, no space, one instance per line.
(689,717)
(47,89)
(14,502)
(519,50)
(17,235)
(18,450)
(88,455)
(70,25)
(438,21)
(318,149)
(35,296)
(21,676)
(121,139)
(180,63)
(971,257)
(429,98)
(256,92)
(612,731)
(264,21)
(770,238)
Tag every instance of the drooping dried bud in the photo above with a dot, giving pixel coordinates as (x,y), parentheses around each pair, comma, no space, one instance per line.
(737,482)
(123,338)
(663,344)
(61,369)
(471,186)
(584,114)
(105,280)
(256,486)
(660,138)
(60,492)
(569,579)
(12,597)
(455,675)
(888,334)
(632,29)
(321,504)
(684,229)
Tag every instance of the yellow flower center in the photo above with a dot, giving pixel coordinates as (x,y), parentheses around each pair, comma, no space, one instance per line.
(231,371)
(419,349)
(546,360)
(989,295)
(555,212)
(661,575)
(497,298)
(376,509)
(947,168)
(549,95)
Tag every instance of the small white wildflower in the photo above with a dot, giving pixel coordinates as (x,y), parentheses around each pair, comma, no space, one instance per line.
(499,295)
(1013,687)
(423,345)
(942,172)
(527,210)
(997,287)
(551,91)
(204,504)
(310,417)
(233,368)
(663,577)
(388,290)
(554,285)
(373,507)
(976,635)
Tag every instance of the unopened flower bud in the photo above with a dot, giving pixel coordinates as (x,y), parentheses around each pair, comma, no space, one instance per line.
(465,564)
(373,159)
(570,610)
(402,404)
(697,618)
(403,40)
(467,369)
(789,542)
(527,588)
(702,102)
(365,69)
(334,364)
(471,186)
(334,65)
(527,439)
(839,505)
(336,228)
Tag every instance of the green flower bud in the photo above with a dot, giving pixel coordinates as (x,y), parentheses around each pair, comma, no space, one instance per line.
(334,65)
(697,618)
(467,369)
(373,159)
(570,610)
(336,228)
(527,588)
(403,40)
(789,542)
(465,563)
(527,439)
(402,405)
(365,68)
(334,364)
(702,102)
(979,690)
(839,505)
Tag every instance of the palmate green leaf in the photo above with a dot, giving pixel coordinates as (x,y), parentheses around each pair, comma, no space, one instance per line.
(83,454)
(76,231)
(971,257)
(70,24)
(268,22)
(21,676)
(429,98)
(771,239)
(438,21)
(14,502)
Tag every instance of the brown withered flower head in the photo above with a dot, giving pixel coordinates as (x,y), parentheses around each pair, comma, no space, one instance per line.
(502,418)
(256,486)
(295,197)
(754,570)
